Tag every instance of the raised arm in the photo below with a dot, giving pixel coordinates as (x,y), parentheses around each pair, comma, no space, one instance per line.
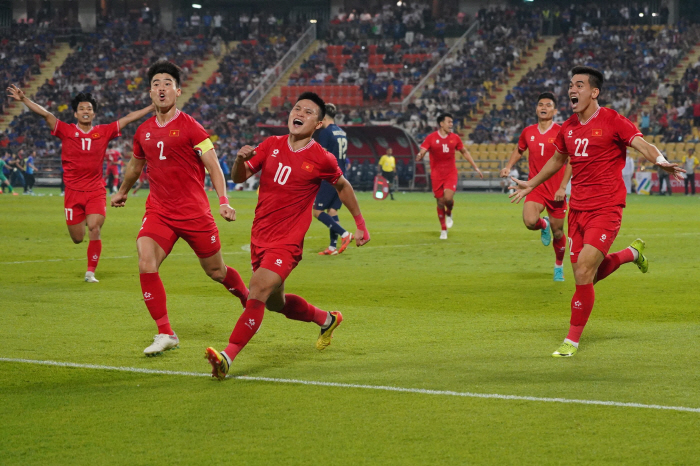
(654,155)
(523,188)
(349,200)
(240,170)
(468,156)
(211,162)
(514,157)
(560,195)
(134,116)
(131,174)
(17,94)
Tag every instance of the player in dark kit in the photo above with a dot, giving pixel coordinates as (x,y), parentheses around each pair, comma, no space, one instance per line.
(441,145)
(83,148)
(538,140)
(177,150)
(595,141)
(292,168)
(335,141)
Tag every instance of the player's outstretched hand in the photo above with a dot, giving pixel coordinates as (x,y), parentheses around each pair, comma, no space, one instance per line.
(15,93)
(560,195)
(481,175)
(228,212)
(118,199)
(672,168)
(361,237)
(505,171)
(520,190)
(246,153)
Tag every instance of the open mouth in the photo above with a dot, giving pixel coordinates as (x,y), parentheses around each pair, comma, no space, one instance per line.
(161,96)
(86,117)
(574,100)
(297,122)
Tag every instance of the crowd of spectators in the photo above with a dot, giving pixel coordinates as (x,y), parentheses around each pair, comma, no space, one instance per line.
(111,65)
(633,60)
(22,50)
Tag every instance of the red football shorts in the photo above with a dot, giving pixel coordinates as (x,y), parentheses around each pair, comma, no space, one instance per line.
(280,261)
(201,233)
(441,182)
(78,204)
(599,228)
(555,209)
(113,169)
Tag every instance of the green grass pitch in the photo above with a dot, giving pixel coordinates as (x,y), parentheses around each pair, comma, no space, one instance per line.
(478,313)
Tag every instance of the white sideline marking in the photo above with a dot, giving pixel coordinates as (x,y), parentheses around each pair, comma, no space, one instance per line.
(420,391)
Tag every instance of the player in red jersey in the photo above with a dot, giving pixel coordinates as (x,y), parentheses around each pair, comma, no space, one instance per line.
(442,145)
(177,150)
(595,141)
(83,149)
(538,140)
(114,163)
(292,168)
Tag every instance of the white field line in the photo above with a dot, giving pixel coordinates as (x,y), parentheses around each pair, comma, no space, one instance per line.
(419,391)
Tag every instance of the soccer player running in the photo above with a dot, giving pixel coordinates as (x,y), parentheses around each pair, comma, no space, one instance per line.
(594,140)
(442,145)
(292,168)
(83,149)
(177,150)
(335,141)
(114,163)
(538,140)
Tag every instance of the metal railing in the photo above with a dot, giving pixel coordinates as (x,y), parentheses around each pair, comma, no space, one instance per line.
(282,66)
(458,43)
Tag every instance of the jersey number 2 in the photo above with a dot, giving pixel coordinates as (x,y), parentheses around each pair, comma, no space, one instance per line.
(161,145)
(282,174)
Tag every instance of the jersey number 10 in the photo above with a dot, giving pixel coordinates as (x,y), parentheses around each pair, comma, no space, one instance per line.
(283,172)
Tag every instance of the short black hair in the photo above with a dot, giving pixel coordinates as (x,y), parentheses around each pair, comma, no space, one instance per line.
(442,117)
(595,77)
(313,97)
(164,66)
(331,110)
(547,95)
(83,97)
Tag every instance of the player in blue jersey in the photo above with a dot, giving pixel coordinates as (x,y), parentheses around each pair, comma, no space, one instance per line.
(327,202)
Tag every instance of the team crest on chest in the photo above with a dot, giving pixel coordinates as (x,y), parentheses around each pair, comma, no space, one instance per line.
(307,167)
(95,135)
(550,140)
(174,133)
(597,132)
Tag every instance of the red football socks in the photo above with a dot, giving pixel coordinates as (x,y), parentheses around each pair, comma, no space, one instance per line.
(581,307)
(248,323)
(541,224)
(154,297)
(297,308)
(234,283)
(441,217)
(448,207)
(559,250)
(93,254)
(613,261)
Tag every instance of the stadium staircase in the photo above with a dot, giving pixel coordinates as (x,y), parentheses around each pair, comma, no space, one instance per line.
(204,73)
(277,90)
(55,60)
(675,76)
(533,57)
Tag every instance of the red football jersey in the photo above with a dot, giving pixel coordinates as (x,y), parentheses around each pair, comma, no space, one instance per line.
(442,152)
(82,153)
(597,150)
(113,157)
(175,169)
(289,181)
(541,148)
